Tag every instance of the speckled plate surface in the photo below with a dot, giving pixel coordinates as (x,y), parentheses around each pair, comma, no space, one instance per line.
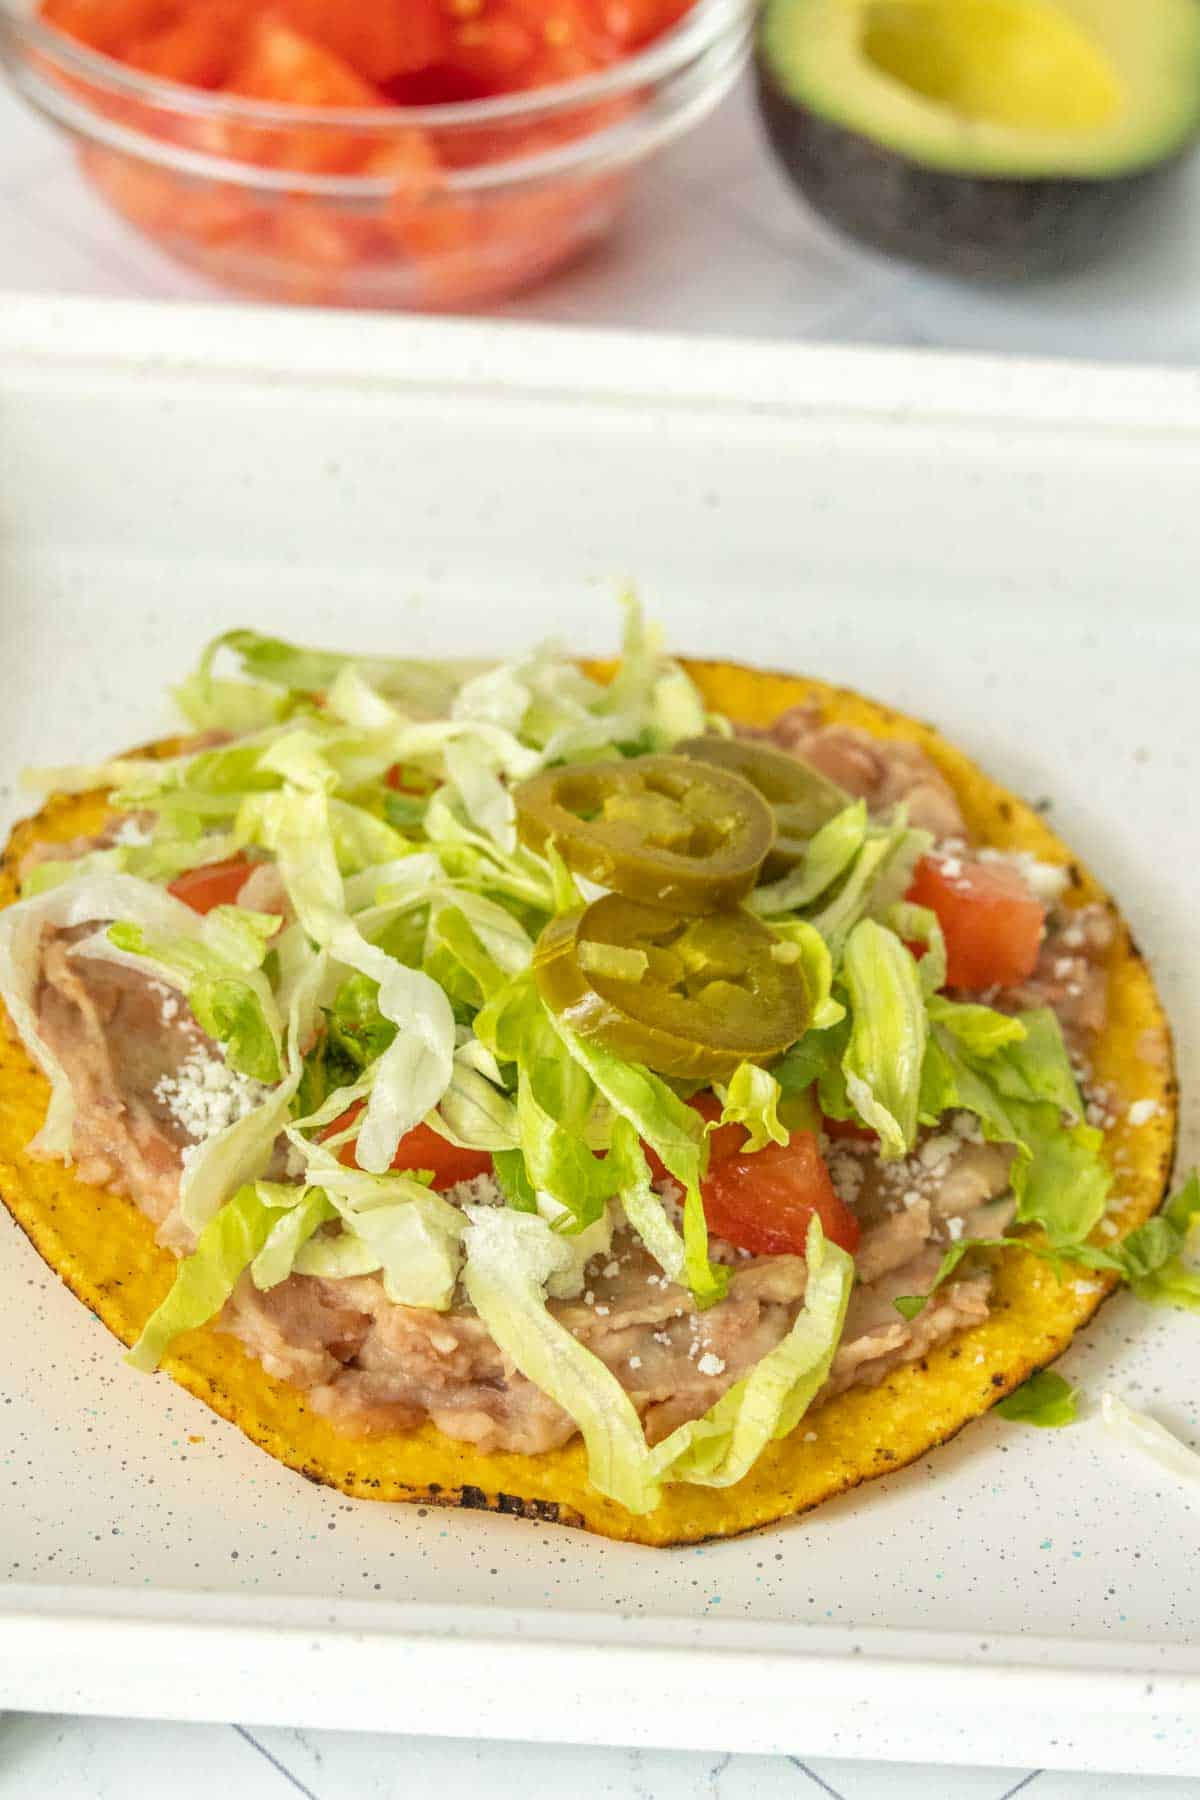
(1011,551)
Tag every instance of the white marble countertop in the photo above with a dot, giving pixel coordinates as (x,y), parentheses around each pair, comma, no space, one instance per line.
(108,1759)
(715,243)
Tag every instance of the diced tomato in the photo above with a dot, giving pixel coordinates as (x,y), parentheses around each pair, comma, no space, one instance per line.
(569,40)
(403,780)
(443,249)
(279,64)
(108,25)
(420,1148)
(494,50)
(442,84)
(725,1141)
(382,40)
(409,161)
(216,884)
(848,1131)
(198,49)
(991,921)
(764,1203)
(632,23)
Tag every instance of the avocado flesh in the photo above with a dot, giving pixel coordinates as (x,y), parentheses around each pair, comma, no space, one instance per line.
(990,137)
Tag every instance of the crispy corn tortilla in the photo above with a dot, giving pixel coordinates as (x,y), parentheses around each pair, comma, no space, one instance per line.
(104,1248)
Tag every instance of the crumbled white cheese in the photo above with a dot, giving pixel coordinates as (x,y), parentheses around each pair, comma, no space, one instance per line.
(603,1310)
(611,1269)
(1046,880)
(1087,1287)
(1142,1111)
(954,1229)
(131,834)
(710,1364)
(635,1362)
(206,1096)
(1110,1228)
(476,1190)
(847,1174)
(168,1001)
(661,1337)
(810,1437)
(935,1150)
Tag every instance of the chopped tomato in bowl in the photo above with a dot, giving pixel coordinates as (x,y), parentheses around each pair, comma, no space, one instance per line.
(407,153)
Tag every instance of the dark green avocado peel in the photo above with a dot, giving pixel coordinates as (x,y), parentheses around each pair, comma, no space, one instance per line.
(991,138)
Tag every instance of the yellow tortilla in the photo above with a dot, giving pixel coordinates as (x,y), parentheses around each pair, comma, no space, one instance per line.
(104,1249)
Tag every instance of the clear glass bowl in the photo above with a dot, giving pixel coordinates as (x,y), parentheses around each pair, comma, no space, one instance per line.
(253,194)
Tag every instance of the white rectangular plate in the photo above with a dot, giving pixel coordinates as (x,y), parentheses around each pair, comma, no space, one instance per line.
(1009,549)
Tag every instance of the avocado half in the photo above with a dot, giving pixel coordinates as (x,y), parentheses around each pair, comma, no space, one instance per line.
(989,137)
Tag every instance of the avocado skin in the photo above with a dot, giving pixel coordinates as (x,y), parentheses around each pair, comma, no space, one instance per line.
(992,228)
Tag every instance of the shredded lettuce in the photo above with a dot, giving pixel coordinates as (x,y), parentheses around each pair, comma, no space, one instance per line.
(979,1030)
(830,854)
(919,925)
(676,1135)
(643,1207)
(1139,1432)
(91,900)
(1020,1090)
(228,1160)
(884,1056)
(555,1099)
(217,963)
(203,1282)
(1152,1257)
(511,1260)
(392,1223)
(768,1403)
(428,687)
(802,944)
(288,1236)
(415,1070)
(853,869)
(751,1098)
(476,1111)
(1045,1400)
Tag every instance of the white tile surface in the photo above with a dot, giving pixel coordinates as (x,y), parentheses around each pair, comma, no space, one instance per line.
(715,242)
(109,1759)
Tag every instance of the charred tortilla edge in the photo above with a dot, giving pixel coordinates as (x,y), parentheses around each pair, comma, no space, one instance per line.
(103,1248)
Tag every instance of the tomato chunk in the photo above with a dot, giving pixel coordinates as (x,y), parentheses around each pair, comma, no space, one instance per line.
(723,1142)
(764,1203)
(107,25)
(381,40)
(216,884)
(992,923)
(420,1148)
(198,48)
(849,1131)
